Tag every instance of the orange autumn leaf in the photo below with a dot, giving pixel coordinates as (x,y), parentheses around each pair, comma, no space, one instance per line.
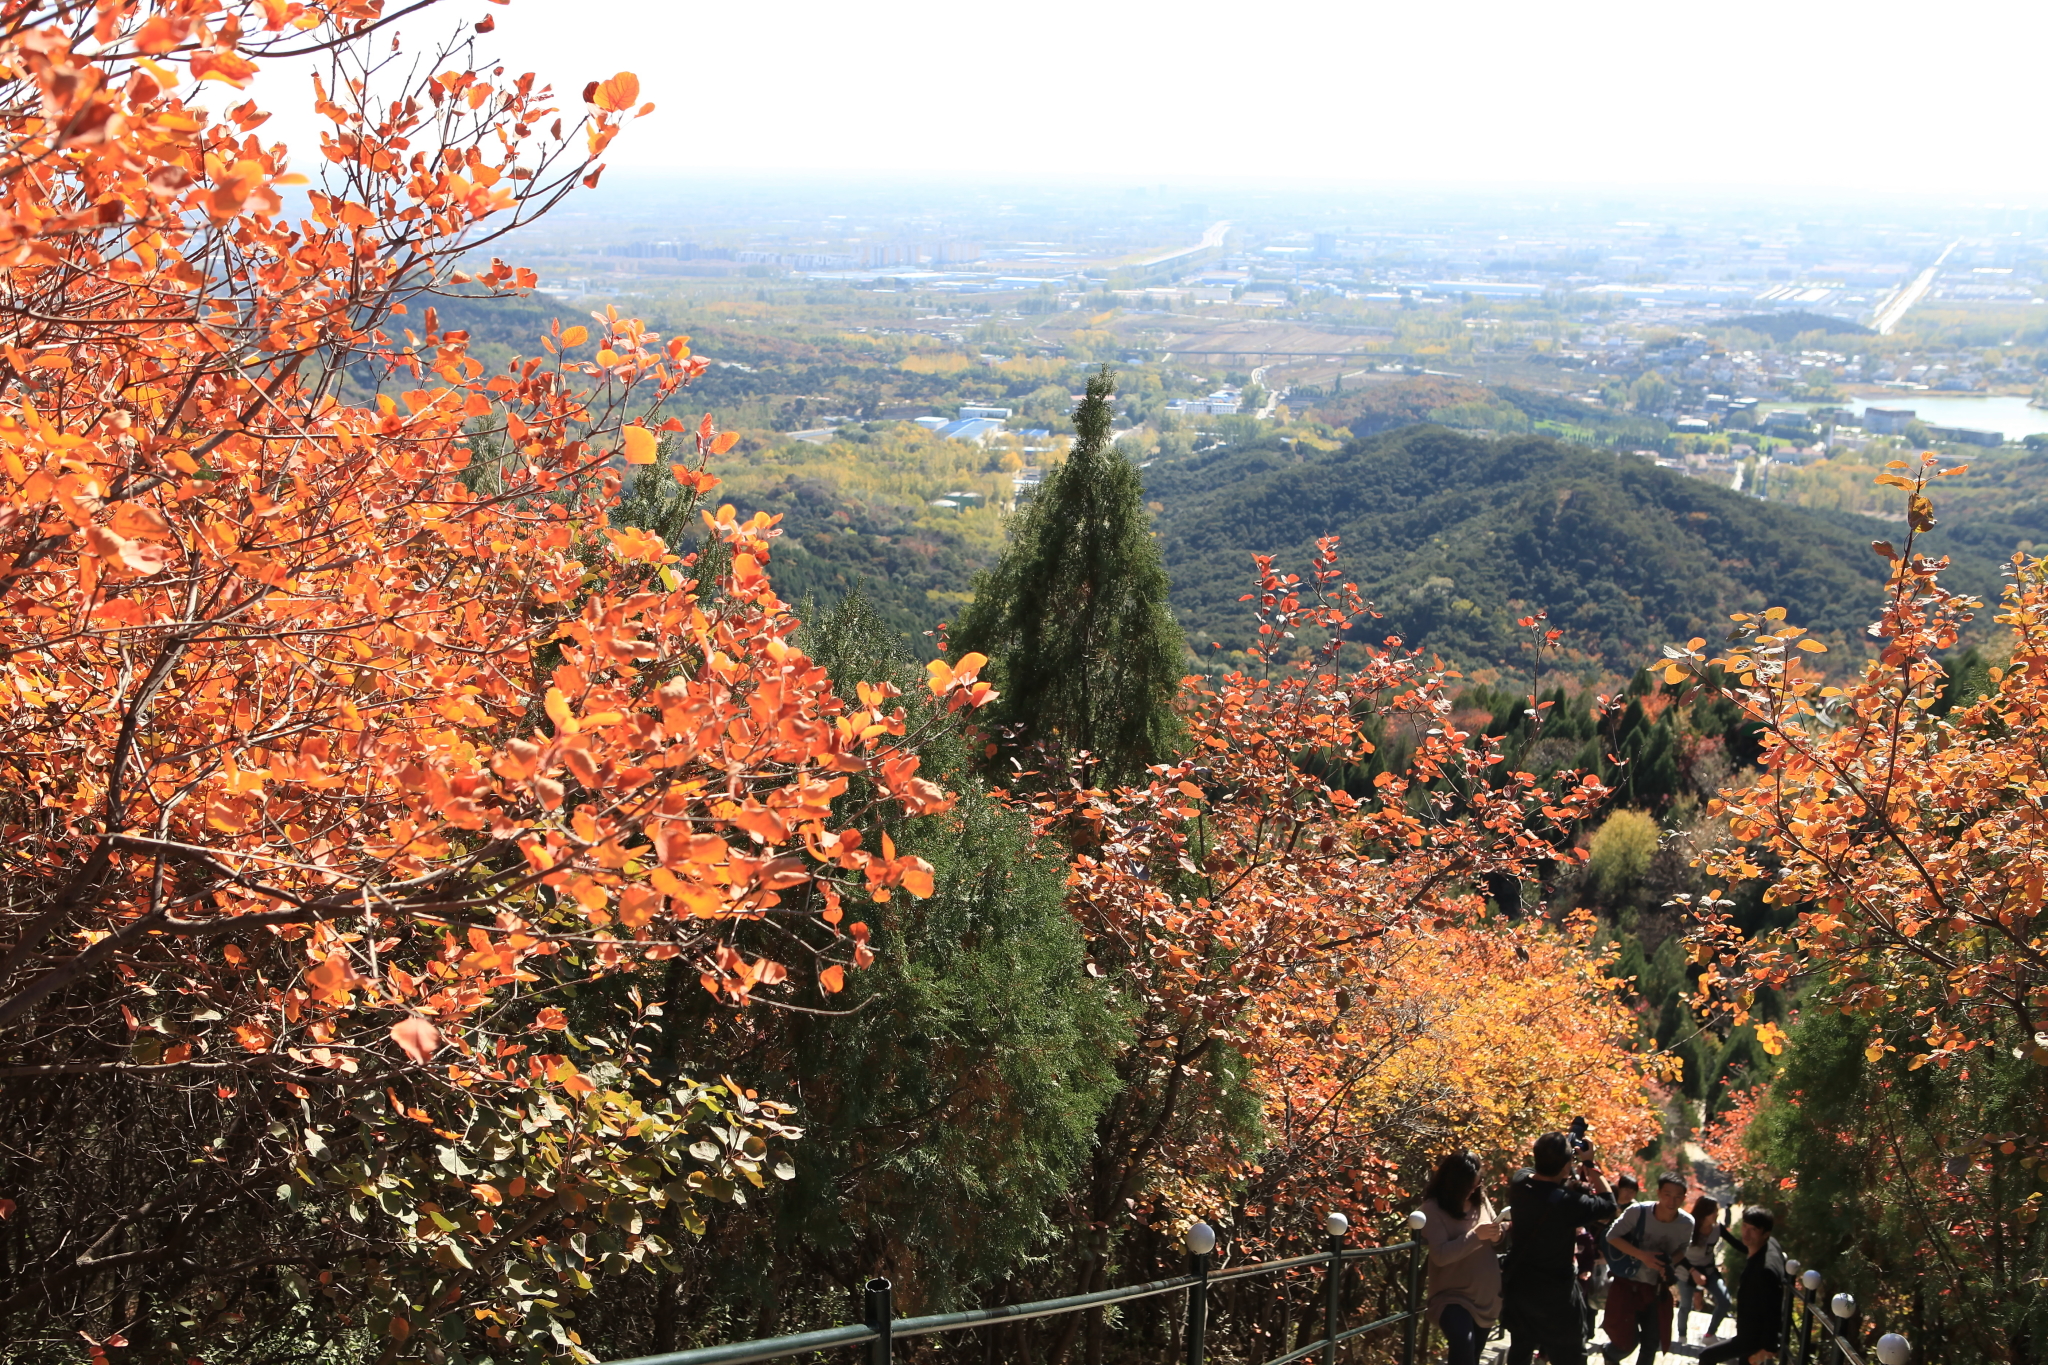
(640,444)
(620,92)
(416,1037)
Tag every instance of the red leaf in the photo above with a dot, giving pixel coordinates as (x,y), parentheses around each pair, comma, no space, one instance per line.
(417,1037)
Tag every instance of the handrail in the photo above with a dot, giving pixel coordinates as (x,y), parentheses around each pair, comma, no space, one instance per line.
(770,1348)
(1045,1308)
(882,1329)
(1253,1268)
(1298,1352)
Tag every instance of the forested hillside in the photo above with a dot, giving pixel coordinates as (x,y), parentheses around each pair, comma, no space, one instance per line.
(1454,537)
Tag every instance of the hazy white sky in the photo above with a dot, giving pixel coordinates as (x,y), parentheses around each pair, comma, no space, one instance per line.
(1794,93)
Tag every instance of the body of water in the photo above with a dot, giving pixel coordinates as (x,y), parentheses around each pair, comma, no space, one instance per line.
(2008,413)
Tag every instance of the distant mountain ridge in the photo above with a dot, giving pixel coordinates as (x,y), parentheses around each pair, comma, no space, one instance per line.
(1455,536)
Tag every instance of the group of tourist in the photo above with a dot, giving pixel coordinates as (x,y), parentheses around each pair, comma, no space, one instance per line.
(1566,1238)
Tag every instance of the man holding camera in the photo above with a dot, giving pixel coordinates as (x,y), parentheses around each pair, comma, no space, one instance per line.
(1541,1284)
(1653,1236)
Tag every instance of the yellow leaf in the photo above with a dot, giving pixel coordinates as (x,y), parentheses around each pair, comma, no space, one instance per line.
(640,445)
(575,336)
(1813,646)
(1771,1037)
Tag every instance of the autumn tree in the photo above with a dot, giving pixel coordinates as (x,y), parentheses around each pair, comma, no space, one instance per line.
(1074,615)
(1900,823)
(332,776)
(1321,998)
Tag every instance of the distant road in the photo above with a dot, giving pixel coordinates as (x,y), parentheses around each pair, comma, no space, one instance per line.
(1272,398)
(1895,308)
(1211,239)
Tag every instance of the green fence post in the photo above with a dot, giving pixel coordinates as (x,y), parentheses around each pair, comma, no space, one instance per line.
(881,1312)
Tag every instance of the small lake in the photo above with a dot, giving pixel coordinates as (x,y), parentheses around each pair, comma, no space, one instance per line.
(2008,413)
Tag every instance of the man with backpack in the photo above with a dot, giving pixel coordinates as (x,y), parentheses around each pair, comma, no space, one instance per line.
(1652,1238)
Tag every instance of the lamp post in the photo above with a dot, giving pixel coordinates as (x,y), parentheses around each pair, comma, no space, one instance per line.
(1200,1241)
(1417,1221)
(1810,1282)
(1335,1225)
(1843,1306)
(1785,1309)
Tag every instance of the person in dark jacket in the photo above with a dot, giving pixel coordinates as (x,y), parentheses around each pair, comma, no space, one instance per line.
(1543,1307)
(1759,1296)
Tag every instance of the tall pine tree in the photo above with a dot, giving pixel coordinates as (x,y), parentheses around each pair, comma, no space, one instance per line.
(1074,616)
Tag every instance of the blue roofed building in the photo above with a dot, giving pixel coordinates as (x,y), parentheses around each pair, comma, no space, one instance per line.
(977,429)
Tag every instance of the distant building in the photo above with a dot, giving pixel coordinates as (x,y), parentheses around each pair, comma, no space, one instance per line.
(1971,436)
(1488,289)
(1692,424)
(977,429)
(934,423)
(970,410)
(1027,478)
(1887,421)
(1222,403)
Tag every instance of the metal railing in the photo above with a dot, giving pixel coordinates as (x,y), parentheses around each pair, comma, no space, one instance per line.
(883,1328)
(1840,1324)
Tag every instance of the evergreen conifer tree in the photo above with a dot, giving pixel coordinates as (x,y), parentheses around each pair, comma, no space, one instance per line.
(1074,615)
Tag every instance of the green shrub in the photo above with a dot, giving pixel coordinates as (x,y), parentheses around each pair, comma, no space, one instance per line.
(1621,852)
